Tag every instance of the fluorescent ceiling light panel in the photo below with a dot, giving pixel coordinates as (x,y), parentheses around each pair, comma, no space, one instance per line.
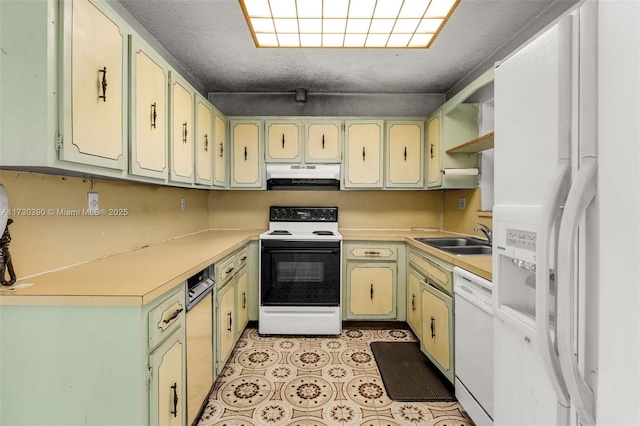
(377,24)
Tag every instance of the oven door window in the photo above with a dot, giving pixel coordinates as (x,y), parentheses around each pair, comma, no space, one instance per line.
(302,276)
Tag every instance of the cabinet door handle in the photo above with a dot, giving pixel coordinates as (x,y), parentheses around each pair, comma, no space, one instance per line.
(206,143)
(230,321)
(283,141)
(221,149)
(405,153)
(243,258)
(245,153)
(184,132)
(371,291)
(173,316)
(413,302)
(431,151)
(228,271)
(154,115)
(103,83)
(244,300)
(433,327)
(372,253)
(322,141)
(175,400)
(364,153)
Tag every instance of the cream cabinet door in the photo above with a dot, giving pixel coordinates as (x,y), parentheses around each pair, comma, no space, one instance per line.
(371,290)
(94,97)
(167,402)
(149,98)
(182,169)
(242,307)
(204,141)
(363,146)
(404,154)
(323,141)
(246,154)
(220,151)
(226,317)
(414,303)
(436,336)
(199,330)
(434,133)
(283,141)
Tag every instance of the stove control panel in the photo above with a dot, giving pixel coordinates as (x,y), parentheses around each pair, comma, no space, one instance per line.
(303,214)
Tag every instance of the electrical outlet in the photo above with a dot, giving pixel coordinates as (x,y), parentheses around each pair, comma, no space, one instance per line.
(462,203)
(183,204)
(94,205)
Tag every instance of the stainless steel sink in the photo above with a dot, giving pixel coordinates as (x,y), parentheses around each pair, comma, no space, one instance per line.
(459,245)
(468,250)
(448,242)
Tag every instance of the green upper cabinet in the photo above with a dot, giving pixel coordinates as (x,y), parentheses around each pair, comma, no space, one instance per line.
(363,154)
(451,126)
(182,130)
(246,154)
(283,143)
(149,97)
(323,141)
(204,141)
(220,149)
(404,154)
(94,86)
(434,135)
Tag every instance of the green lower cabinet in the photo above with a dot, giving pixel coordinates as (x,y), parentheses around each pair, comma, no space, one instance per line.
(371,290)
(242,301)
(414,304)
(437,328)
(233,300)
(93,365)
(166,387)
(225,327)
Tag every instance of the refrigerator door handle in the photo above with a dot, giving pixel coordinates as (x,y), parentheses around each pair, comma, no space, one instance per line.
(550,214)
(582,193)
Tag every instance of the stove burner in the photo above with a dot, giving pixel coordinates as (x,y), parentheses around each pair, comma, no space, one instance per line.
(322,233)
(279,232)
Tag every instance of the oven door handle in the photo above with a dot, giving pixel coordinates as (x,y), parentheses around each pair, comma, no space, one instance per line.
(303,249)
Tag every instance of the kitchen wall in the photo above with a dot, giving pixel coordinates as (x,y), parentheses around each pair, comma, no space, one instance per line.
(463,221)
(60,237)
(327,104)
(357,209)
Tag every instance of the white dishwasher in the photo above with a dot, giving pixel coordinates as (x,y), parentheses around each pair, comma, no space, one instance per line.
(474,345)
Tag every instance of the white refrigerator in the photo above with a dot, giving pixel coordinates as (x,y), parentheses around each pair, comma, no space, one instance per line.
(566,214)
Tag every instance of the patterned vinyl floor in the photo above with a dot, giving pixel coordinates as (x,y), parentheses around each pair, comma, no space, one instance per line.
(316,381)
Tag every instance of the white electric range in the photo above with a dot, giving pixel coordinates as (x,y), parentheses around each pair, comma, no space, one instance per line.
(300,272)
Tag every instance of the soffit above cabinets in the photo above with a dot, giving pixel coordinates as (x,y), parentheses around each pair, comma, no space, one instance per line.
(211,40)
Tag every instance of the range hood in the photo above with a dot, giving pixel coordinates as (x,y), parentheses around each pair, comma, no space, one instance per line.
(321,177)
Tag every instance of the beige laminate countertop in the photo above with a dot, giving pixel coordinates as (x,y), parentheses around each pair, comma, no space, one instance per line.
(137,277)
(131,278)
(479,265)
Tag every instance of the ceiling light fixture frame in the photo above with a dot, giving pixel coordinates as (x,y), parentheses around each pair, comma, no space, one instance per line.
(397,24)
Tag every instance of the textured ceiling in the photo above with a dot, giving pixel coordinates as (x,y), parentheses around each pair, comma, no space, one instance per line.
(210,39)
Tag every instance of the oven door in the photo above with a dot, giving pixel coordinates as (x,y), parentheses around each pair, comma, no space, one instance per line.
(300,273)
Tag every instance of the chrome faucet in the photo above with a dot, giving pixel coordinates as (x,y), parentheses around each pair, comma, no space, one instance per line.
(486,231)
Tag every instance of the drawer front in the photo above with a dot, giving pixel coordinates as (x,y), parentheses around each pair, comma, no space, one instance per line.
(439,273)
(372,251)
(225,270)
(166,317)
(241,257)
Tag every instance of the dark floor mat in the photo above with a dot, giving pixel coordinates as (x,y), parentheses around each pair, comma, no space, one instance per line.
(408,375)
